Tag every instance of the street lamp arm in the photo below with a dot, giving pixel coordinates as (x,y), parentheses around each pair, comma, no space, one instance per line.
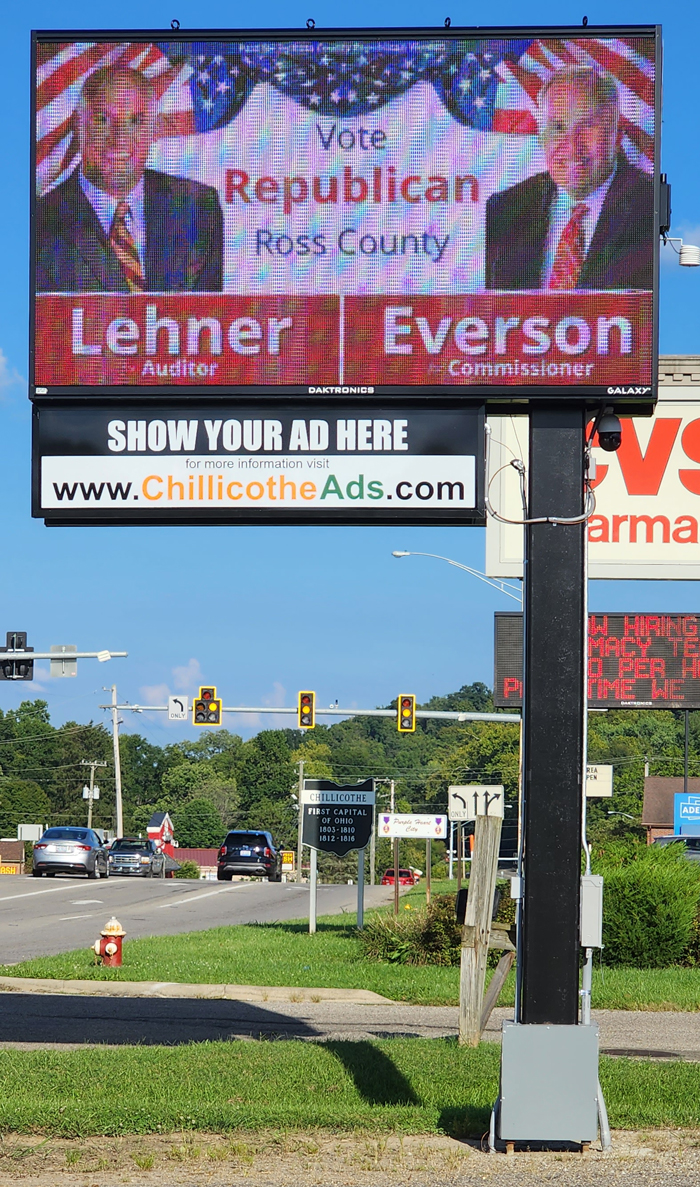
(511,591)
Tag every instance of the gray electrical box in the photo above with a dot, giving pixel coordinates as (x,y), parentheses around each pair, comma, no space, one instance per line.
(549,1083)
(591,911)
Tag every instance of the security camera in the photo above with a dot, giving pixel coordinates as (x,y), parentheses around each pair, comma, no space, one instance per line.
(609,431)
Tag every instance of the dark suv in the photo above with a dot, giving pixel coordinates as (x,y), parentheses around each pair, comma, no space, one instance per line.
(246,852)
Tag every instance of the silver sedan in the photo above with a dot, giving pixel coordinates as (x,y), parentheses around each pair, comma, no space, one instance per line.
(67,850)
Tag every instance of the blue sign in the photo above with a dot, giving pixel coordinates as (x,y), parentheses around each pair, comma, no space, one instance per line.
(686,814)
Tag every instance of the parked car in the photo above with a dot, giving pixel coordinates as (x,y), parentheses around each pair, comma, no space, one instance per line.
(132,855)
(67,850)
(406,877)
(248,852)
(692,845)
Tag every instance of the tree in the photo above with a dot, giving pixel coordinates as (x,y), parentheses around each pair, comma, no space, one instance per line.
(21,802)
(197,825)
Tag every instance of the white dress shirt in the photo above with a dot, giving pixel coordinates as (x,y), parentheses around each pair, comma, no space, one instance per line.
(559,215)
(105,207)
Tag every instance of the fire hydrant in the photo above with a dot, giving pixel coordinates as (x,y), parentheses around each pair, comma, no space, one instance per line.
(109,947)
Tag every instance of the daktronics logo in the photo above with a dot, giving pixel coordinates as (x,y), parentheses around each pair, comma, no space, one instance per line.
(646,491)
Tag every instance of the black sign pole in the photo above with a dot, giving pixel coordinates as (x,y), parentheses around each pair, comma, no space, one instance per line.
(553,720)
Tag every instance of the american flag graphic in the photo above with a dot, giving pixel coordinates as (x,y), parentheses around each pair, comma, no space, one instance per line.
(489,85)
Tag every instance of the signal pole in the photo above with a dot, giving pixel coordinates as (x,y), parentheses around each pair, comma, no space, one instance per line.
(117,764)
(300,821)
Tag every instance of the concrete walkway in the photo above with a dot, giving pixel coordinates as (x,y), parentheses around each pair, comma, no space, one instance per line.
(69,1014)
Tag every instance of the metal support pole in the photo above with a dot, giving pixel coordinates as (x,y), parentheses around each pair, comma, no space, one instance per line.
(300,822)
(685,757)
(360,888)
(460,843)
(117,764)
(396,875)
(553,719)
(373,849)
(313,891)
(428,861)
(450,857)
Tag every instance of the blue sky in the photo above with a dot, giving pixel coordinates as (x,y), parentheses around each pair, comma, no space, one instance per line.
(262,612)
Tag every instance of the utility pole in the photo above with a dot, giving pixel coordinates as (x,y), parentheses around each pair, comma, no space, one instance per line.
(117,764)
(300,821)
(91,763)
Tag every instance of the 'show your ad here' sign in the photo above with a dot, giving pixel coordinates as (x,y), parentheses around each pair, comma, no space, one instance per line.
(394,209)
(230,464)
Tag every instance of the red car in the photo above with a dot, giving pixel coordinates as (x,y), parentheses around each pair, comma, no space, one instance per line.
(406,878)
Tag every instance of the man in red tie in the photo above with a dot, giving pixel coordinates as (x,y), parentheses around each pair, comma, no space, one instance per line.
(116,226)
(588,221)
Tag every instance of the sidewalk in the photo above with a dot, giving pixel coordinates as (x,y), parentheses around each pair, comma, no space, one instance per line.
(65,1014)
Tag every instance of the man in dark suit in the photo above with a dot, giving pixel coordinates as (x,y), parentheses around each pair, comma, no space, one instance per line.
(116,226)
(586,223)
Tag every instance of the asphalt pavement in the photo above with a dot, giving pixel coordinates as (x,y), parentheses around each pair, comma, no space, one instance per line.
(40,917)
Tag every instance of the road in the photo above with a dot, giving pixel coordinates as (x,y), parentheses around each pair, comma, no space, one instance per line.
(42,918)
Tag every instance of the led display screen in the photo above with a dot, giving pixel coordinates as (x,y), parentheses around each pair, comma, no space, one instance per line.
(346,213)
(635,661)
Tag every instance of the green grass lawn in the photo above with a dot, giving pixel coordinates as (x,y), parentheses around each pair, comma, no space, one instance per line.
(408,1085)
(285,954)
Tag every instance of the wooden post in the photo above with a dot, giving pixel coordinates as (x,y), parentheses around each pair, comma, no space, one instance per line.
(428,860)
(477,927)
(396,875)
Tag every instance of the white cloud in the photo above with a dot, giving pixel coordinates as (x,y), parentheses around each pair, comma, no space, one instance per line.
(188,677)
(277,697)
(155,694)
(9,376)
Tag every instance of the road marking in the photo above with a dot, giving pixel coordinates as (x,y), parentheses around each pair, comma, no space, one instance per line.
(30,894)
(196,898)
(85,902)
(65,918)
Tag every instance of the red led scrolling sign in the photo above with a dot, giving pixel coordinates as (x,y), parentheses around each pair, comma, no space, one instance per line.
(635,661)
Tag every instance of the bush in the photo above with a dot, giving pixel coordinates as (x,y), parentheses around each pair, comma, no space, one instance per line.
(188,869)
(650,910)
(428,936)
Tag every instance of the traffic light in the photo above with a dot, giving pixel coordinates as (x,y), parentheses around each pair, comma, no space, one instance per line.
(307,710)
(22,669)
(207,708)
(406,719)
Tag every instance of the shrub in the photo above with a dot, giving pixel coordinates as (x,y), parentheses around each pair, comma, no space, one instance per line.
(428,936)
(188,869)
(650,910)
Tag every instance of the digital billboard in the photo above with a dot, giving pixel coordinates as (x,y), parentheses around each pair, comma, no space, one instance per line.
(348,212)
(216,463)
(635,661)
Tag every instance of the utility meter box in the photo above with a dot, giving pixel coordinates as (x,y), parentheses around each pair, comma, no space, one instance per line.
(591,911)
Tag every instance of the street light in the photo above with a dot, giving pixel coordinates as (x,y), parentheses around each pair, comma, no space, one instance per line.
(511,591)
(625,814)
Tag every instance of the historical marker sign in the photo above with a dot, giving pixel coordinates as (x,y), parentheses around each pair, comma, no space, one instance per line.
(337,818)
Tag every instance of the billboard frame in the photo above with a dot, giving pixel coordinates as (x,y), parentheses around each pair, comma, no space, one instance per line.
(631,397)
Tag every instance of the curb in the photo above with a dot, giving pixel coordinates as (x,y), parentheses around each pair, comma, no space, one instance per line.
(174,989)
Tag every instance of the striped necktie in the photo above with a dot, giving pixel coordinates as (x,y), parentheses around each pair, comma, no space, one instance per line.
(571,251)
(122,243)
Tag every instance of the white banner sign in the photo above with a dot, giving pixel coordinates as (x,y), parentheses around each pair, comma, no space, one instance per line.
(242,482)
(599,780)
(472,800)
(645,524)
(421,827)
